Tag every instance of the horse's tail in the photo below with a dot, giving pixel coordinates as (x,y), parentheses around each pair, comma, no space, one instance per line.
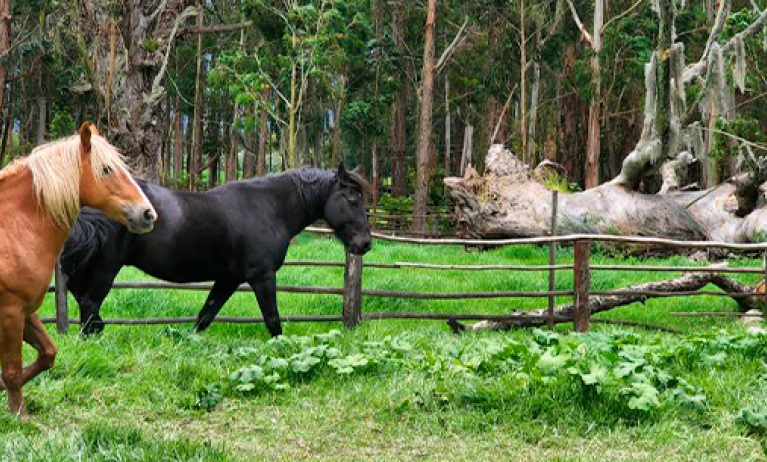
(86,239)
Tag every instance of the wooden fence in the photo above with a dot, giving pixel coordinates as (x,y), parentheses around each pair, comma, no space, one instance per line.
(353,289)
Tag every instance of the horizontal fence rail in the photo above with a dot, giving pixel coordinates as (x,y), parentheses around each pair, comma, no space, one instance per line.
(353,290)
(568,238)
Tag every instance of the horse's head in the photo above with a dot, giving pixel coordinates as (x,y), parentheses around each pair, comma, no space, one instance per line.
(345,211)
(106,184)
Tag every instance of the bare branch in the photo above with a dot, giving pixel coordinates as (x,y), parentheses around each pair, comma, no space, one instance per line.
(218,28)
(157,12)
(586,36)
(449,50)
(157,89)
(615,18)
(695,70)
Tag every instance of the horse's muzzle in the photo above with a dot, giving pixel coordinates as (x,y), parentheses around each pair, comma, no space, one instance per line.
(141,219)
(360,248)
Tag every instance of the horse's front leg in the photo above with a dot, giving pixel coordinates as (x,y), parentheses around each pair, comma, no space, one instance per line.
(36,335)
(90,320)
(265,288)
(11,336)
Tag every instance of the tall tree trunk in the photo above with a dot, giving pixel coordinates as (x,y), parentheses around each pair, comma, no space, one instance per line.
(5,47)
(165,167)
(662,122)
(493,106)
(231,158)
(468,144)
(593,144)
(249,159)
(533,115)
(336,154)
(425,120)
(523,81)
(42,113)
(178,142)
(263,134)
(196,152)
(398,129)
(447,127)
(572,112)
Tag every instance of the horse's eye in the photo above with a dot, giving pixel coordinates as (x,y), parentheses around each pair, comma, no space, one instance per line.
(106,171)
(354,198)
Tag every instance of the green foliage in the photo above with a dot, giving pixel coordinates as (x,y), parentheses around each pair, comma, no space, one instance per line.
(755,419)
(150,45)
(62,124)
(725,147)
(209,397)
(558,182)
(631,376)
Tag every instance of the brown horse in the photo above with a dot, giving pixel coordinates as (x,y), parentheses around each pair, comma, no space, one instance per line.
(40,197)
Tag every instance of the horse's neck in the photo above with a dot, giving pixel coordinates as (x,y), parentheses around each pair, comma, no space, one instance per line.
(306,207)
(21,210)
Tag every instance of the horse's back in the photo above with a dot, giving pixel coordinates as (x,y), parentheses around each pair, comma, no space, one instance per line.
(192,239)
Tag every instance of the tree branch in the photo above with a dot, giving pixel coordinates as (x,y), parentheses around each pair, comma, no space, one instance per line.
(449,50)
(157,89)
(585,34)
(157,12)
(218,28)
(695,70)
(615,18)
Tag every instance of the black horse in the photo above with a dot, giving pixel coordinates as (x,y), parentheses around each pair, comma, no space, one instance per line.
(236,233)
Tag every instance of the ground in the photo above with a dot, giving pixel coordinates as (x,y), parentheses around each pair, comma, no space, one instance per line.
(160,393)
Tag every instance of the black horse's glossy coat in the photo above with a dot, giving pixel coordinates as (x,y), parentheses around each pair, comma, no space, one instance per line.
(234,234)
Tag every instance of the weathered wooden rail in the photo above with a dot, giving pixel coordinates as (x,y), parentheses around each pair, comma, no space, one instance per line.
(353,290)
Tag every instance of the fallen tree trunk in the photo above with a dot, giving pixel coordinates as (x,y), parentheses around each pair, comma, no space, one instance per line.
(511,200)
(565,313)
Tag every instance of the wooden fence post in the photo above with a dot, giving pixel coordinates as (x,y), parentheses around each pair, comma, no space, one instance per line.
(764,310)
(581,283)
(353,290)
(553,258)
(62,310)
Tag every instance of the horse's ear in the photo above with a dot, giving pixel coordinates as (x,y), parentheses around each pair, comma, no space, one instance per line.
(85,136)
(343,175)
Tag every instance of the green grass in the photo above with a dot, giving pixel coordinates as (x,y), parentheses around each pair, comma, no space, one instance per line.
(131,394)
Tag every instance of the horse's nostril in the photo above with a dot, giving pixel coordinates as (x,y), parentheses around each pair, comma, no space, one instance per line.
(149,215)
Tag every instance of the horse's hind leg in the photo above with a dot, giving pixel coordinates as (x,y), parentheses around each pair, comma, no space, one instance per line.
(36,335)
(11,334)
(266,293)
(217,297)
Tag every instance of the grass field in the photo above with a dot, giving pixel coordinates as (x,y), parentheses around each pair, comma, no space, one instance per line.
(159,393)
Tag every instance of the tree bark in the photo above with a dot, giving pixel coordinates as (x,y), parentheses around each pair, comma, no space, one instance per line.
(262,134)
(195,165)
(398,129)
(42,118)
(523,80)
(178,142)
(129,75)
(512,201)
(5,47)
(572,112)
(425,127)
(594,144)
(447,128)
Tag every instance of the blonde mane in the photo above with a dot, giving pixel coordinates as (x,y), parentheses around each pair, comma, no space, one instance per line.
(55,168)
